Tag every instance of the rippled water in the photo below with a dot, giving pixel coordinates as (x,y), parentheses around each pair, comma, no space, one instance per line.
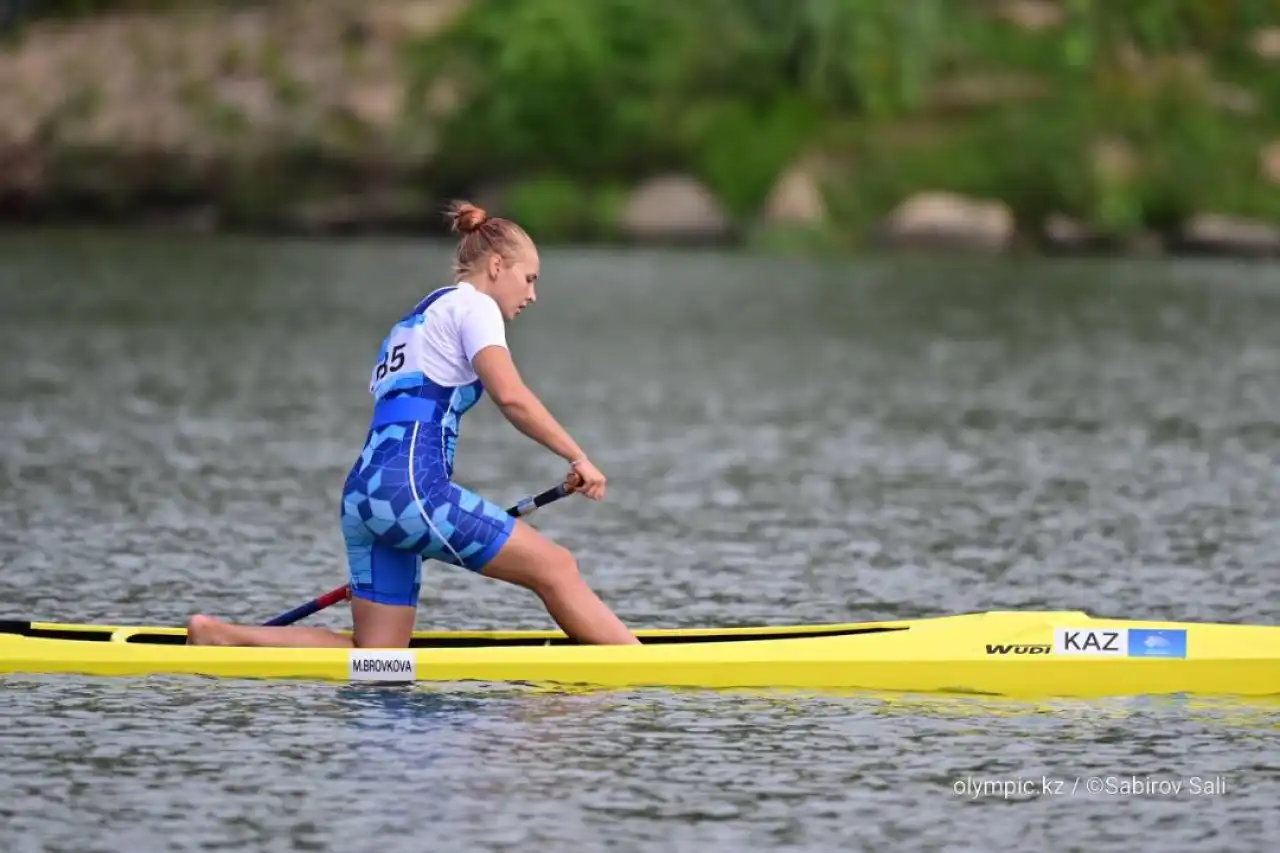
(786,442)
(168,765)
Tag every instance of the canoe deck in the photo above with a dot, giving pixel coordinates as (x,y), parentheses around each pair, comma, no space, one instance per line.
(461,638)
(1006,653)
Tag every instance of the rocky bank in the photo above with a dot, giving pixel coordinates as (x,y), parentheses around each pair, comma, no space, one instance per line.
(303,116)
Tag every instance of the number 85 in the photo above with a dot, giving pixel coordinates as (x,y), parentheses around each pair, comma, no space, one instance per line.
(397,362)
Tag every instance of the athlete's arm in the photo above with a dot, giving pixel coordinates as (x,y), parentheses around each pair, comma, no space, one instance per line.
(484,342)
(520,406)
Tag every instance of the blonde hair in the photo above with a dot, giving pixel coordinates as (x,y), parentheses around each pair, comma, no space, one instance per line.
(482,235)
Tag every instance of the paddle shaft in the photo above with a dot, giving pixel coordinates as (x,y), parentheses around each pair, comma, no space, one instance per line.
(522,507)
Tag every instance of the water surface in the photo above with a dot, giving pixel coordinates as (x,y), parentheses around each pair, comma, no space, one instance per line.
(786,442)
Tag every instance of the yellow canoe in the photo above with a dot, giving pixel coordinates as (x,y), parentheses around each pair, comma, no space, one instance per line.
(1008,653)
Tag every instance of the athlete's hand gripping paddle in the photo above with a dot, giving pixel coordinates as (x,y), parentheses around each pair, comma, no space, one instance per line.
(523,507)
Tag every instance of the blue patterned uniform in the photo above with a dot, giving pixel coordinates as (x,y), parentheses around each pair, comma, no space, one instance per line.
(399,504)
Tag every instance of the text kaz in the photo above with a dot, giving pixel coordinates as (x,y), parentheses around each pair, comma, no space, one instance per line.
(1090,641)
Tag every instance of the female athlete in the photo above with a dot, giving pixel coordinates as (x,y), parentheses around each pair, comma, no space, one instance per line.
(399,504)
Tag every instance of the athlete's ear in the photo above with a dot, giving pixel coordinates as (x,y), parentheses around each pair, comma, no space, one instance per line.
(495,265)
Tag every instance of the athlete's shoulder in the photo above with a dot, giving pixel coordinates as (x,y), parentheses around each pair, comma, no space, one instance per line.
(470,307)
(440,294)
(480,322)
(468,295)
(455,298)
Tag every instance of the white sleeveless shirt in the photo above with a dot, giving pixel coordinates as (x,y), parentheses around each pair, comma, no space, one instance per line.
(440,344)
(459,325)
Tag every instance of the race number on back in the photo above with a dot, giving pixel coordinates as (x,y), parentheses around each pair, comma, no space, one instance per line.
(438,346)
(398,356)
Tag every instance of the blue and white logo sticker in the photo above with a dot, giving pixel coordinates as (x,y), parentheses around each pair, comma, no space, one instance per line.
(1157,643)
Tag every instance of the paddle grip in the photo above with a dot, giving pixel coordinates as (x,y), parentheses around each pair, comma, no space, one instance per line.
(524,506)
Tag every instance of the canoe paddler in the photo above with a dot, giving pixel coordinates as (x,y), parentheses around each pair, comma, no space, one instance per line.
(400,504)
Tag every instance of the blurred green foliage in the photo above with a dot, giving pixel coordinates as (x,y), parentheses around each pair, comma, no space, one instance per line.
(733,91)
(1125,115)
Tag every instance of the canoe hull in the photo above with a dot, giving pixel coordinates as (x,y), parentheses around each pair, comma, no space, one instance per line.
(1048,654)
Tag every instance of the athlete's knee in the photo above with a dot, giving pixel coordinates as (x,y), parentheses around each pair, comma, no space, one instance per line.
(558,568)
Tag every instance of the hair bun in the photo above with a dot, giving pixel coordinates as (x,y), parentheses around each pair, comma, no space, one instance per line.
(465,217)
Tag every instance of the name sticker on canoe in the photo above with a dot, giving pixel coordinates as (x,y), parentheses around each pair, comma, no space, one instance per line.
(1091,641)
(382,665)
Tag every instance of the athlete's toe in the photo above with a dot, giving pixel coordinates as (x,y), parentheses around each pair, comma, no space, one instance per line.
(201,630)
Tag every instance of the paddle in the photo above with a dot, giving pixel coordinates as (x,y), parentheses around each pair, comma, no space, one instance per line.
(523,507)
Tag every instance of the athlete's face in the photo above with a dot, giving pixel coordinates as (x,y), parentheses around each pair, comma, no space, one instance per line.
(514,280)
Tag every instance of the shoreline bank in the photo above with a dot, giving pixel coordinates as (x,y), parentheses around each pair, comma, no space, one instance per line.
(997,127)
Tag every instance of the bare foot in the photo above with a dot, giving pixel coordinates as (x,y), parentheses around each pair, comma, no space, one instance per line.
(203,630)
(207,631)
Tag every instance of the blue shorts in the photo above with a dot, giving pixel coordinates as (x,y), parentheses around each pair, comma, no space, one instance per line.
(398,507)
